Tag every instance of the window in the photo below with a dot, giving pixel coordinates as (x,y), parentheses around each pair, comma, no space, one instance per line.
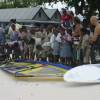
(56,16)
(39,14)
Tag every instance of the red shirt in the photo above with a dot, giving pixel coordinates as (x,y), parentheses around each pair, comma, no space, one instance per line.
(65,18)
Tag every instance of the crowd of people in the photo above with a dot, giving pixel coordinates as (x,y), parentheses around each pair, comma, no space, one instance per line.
(73,42)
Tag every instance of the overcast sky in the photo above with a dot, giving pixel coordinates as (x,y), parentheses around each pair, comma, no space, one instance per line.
(58,6)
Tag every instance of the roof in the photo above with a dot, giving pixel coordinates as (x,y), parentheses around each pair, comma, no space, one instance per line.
(18,13)
(36,21)
(50,12)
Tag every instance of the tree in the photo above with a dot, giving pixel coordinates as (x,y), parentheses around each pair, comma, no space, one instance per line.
(85,7)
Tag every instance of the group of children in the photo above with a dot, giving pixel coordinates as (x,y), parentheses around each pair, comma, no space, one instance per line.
(72,45)
(54,46)
(68,44)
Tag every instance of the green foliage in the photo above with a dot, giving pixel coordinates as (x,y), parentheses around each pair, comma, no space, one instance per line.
(89,8)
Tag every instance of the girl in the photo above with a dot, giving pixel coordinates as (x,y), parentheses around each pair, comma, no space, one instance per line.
(85,46)
(14,37)
(55,45)
(14,34)
(23,42)
(65,47)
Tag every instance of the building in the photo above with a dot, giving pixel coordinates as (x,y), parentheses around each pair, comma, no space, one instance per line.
(53,14)
(34,15)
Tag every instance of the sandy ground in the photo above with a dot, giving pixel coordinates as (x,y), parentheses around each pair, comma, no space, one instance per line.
(11,89)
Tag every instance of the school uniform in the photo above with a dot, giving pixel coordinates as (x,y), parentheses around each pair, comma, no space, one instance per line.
(55,45)
(76,48)
(65,46)
(14,36)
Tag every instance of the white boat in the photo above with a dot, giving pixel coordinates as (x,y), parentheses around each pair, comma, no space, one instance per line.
(84,74)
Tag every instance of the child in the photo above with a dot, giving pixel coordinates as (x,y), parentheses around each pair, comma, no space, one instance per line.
(24,43)
(16,50)
(8,50)
(40,53)
(70,41)
(31,48)
(65,47)
(55,45)
(47,51)
(27,44)
(85,46)
(14,34)
(2,53)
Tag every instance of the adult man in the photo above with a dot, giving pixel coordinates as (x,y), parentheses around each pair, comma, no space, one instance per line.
(96,36)
(95,39)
